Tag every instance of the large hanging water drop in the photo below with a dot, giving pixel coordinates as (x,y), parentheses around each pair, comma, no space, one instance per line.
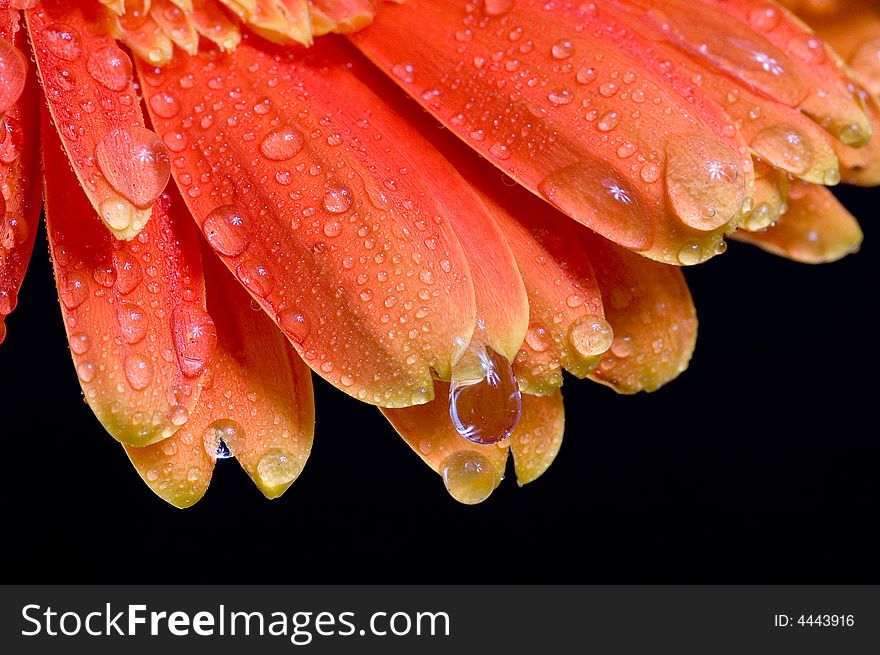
(484,398)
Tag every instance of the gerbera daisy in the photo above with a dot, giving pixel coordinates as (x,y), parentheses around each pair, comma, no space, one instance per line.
(386,256)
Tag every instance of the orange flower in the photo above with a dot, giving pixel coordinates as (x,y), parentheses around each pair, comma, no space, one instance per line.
(634,137)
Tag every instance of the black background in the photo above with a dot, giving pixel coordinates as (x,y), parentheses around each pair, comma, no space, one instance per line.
(759,464)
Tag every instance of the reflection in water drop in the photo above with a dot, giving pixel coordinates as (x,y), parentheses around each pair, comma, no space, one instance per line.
(484,398)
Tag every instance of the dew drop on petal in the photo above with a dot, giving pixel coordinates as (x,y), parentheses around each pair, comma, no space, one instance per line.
(135,162)
(195,338)
(484,398)
(281,144)
(468,476)
(784,147)
(337,199)
(117,213)
(62,41)
(295,325)
(497,7)
(256,277)
(111,67)
(226,229)
(132,323)
(278,467)
(138,371)
(590,336)
(13,73)
(223,438)
(80,343)
(165,105)
(703,184)
(128,272)
(690,254)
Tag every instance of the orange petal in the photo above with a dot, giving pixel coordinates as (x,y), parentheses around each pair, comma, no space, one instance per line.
(259,383)
(769,51)
(862,165)
(19,169)
(771,196)
(567,327)
(175,24)
(304,172)
(210,22)
(852,28)
(341,16)
(134,311)
(281,21)
(817,229)
(87,82)
(470,471)
(601,126)
(140,32)
(178,469)
(780,135)
(650,308)
(538,437)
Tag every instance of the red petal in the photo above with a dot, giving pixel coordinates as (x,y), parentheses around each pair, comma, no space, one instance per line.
(134,311)
(816,229)
(654,320)
(588,118)
(302,170)
(87,82)
(19,170)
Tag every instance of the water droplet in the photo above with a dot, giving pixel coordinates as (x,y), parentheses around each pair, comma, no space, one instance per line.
(138,371)
(404,72)
(295,325)
(592,193)
(111,67)
(195,338)
(117,212)
(223,438)
(80,343)
(500,151)
(560,97)
(497,7)
(132,323)
(256,277)
(562,49)
(468,476)
(278,467)
(226,229)
(281,144)
(135,162)
(586,75)
(608,121)
(702,173)
(332,228)
(690,254)
(337,199)
(590,336)
(62,41)
(164,105)
(484,398)
(784,147)
(13,73)
(128,272)
(74,291)
(86,372)
(537,338)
